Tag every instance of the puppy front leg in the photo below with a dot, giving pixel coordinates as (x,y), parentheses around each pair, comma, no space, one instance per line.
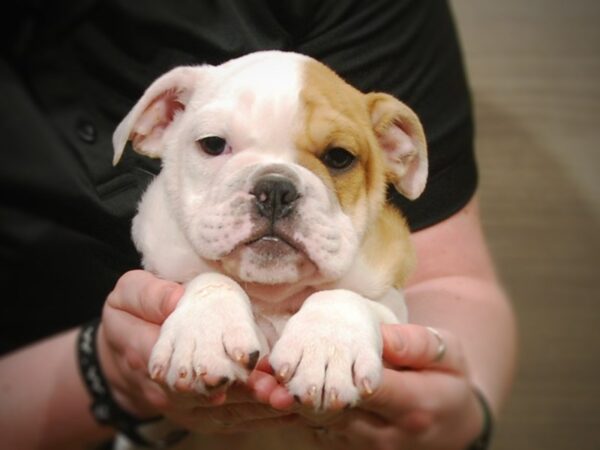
(210,340)
(329,352)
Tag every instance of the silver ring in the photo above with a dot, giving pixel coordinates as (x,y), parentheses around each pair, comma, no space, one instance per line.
(441,350)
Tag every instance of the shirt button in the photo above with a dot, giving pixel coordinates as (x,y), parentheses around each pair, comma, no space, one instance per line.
(86,131)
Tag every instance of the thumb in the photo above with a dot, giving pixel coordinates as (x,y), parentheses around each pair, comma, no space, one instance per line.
(145,296)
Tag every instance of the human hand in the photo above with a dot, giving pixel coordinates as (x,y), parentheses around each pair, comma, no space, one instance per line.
(131,320)
(260,403)
(424,401)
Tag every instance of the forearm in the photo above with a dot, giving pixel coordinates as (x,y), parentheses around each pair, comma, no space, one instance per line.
(44,402)
(477,311)
(454,290)
(455,287)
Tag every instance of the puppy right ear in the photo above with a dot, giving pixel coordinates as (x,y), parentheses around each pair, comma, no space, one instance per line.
(154,112)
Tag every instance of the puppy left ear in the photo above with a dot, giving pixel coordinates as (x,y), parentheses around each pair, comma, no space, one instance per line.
(154,112)
(402,140)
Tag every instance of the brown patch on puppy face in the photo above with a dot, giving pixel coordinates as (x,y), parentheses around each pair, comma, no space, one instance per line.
(336,116)
(339,116)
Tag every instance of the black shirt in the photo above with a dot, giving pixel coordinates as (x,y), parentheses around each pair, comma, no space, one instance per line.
(71,70)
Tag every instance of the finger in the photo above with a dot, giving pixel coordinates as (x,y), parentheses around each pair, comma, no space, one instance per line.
(145,296)
(217,426)
(274,422)
(358,429)
(413,396)
(281,399)
(266,389)
(261,385)
(239,413)
(419,347)
(352,429)
(341,420)
(264,366)
(228,418)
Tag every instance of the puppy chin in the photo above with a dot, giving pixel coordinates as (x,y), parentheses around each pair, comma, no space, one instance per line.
(268,262)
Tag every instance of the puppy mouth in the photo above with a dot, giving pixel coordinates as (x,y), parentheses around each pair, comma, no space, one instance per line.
(272,241)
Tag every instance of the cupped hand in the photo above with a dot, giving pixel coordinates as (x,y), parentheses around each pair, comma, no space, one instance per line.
(425,400)
(131,320)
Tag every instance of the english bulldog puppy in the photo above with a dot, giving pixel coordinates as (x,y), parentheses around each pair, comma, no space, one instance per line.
(271,209)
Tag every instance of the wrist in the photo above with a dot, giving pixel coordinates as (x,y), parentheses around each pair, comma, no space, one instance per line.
(103,407)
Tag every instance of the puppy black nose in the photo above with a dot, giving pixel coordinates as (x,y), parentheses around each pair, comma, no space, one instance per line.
(275,196)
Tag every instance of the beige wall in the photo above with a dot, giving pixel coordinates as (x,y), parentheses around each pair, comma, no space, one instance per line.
(534,69)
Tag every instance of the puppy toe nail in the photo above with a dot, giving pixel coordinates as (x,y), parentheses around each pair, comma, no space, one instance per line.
(333,396)
(200,371)
(312,395)
(222,382)
(284,372)
(253,359)
(367,388)
(156,372)
(214,384)
(238,355)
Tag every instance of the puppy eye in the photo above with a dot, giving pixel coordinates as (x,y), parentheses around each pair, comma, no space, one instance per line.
(212,145)
(338,158)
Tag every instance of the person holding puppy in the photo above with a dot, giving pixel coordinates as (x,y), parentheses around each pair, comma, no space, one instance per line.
(69,239)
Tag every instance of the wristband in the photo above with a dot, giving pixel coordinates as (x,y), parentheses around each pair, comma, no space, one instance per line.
(104,408)
(485,437)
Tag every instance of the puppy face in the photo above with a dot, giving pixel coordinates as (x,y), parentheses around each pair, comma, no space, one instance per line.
(273,166)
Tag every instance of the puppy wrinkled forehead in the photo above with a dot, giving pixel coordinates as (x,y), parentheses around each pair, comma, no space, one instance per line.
(271,75)
(253,101)
(275,104)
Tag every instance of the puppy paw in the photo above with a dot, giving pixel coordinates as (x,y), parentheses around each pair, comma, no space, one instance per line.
(329,353)
(209,341)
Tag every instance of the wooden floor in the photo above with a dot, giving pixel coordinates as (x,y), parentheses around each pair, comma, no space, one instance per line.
(534,69)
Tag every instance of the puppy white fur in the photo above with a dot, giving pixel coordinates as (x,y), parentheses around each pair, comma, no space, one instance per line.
(270,207)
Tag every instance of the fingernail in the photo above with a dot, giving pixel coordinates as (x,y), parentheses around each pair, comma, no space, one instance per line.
(156,371)
(238,355)
(263,387)
(253,359)
(367,388)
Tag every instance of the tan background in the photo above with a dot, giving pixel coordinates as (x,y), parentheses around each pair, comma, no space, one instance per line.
(534,69)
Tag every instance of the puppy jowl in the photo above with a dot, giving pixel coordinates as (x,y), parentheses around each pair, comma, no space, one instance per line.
(271,210)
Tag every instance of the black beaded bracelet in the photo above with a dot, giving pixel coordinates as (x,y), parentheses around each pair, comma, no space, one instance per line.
(485,437)
(104,408)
